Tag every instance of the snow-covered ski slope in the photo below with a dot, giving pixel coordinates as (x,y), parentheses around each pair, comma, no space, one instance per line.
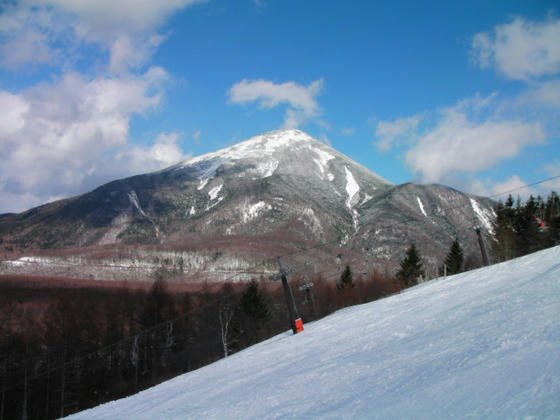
(479,345)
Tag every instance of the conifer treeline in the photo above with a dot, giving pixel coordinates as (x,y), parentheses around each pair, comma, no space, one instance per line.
(525,227)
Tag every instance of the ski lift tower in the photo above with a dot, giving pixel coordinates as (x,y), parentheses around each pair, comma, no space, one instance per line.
(483,252)
(296,322)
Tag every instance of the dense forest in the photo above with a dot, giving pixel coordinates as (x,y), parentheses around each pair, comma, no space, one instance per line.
(64,349)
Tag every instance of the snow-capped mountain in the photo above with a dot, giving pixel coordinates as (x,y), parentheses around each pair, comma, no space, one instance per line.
(224,211)
(483,344)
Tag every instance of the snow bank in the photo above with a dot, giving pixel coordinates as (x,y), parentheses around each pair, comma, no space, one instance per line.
(483,344)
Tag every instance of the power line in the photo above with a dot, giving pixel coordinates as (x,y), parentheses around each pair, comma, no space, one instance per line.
(552,178)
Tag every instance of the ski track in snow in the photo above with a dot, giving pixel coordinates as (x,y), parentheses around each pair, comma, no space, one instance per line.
(481,344)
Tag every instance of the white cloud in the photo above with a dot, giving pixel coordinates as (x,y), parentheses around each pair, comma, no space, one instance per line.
(30,46)
(515,186)
(132,52)
(31,32)
(131,15)
(458,145)
(135,159)
(348,131)
(66,136)
(57,134)
(302,100)
(389,131)
(545,94)
(497,190)
(553,171)
(25,36)
(521,50)
(12,117)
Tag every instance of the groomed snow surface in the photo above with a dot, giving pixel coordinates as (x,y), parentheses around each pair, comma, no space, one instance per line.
(483,344)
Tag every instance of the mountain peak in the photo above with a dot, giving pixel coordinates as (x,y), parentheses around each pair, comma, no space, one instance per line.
(258,146)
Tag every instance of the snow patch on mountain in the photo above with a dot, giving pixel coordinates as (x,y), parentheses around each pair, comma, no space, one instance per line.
(322,162)
(312,221)
(213,193)
(134,201)
(484,216)
(255,147)
(266,168)
(353,191)
(203,183)
(206,170)
(421,205)
(352,188)
(366,198)
(133,197)
(254,210)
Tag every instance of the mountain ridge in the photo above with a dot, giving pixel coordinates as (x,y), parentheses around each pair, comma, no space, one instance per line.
(282,184)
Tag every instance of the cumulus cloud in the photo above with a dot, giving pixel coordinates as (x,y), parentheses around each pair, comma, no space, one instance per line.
(458,145)
(553,171)
(12,117)
(515,186)
(56,135)
(546,94)
(26,35)
(389,131)
(301,100)
(521,49)
(32,32)
(68,135)
(164,152)
(134,15)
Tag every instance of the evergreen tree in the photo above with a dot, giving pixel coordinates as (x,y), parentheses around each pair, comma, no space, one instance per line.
(454,259)
(254,304)
(411,267)
(527,227)
(505,247)
(255,314)
(346,278)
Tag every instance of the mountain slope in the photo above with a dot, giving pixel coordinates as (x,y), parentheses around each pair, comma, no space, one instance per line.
(270,195)
(482,344)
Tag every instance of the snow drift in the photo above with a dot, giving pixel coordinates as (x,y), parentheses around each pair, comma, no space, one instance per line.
(482,344)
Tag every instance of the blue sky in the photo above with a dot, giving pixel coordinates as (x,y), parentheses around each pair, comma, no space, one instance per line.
(465,94)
